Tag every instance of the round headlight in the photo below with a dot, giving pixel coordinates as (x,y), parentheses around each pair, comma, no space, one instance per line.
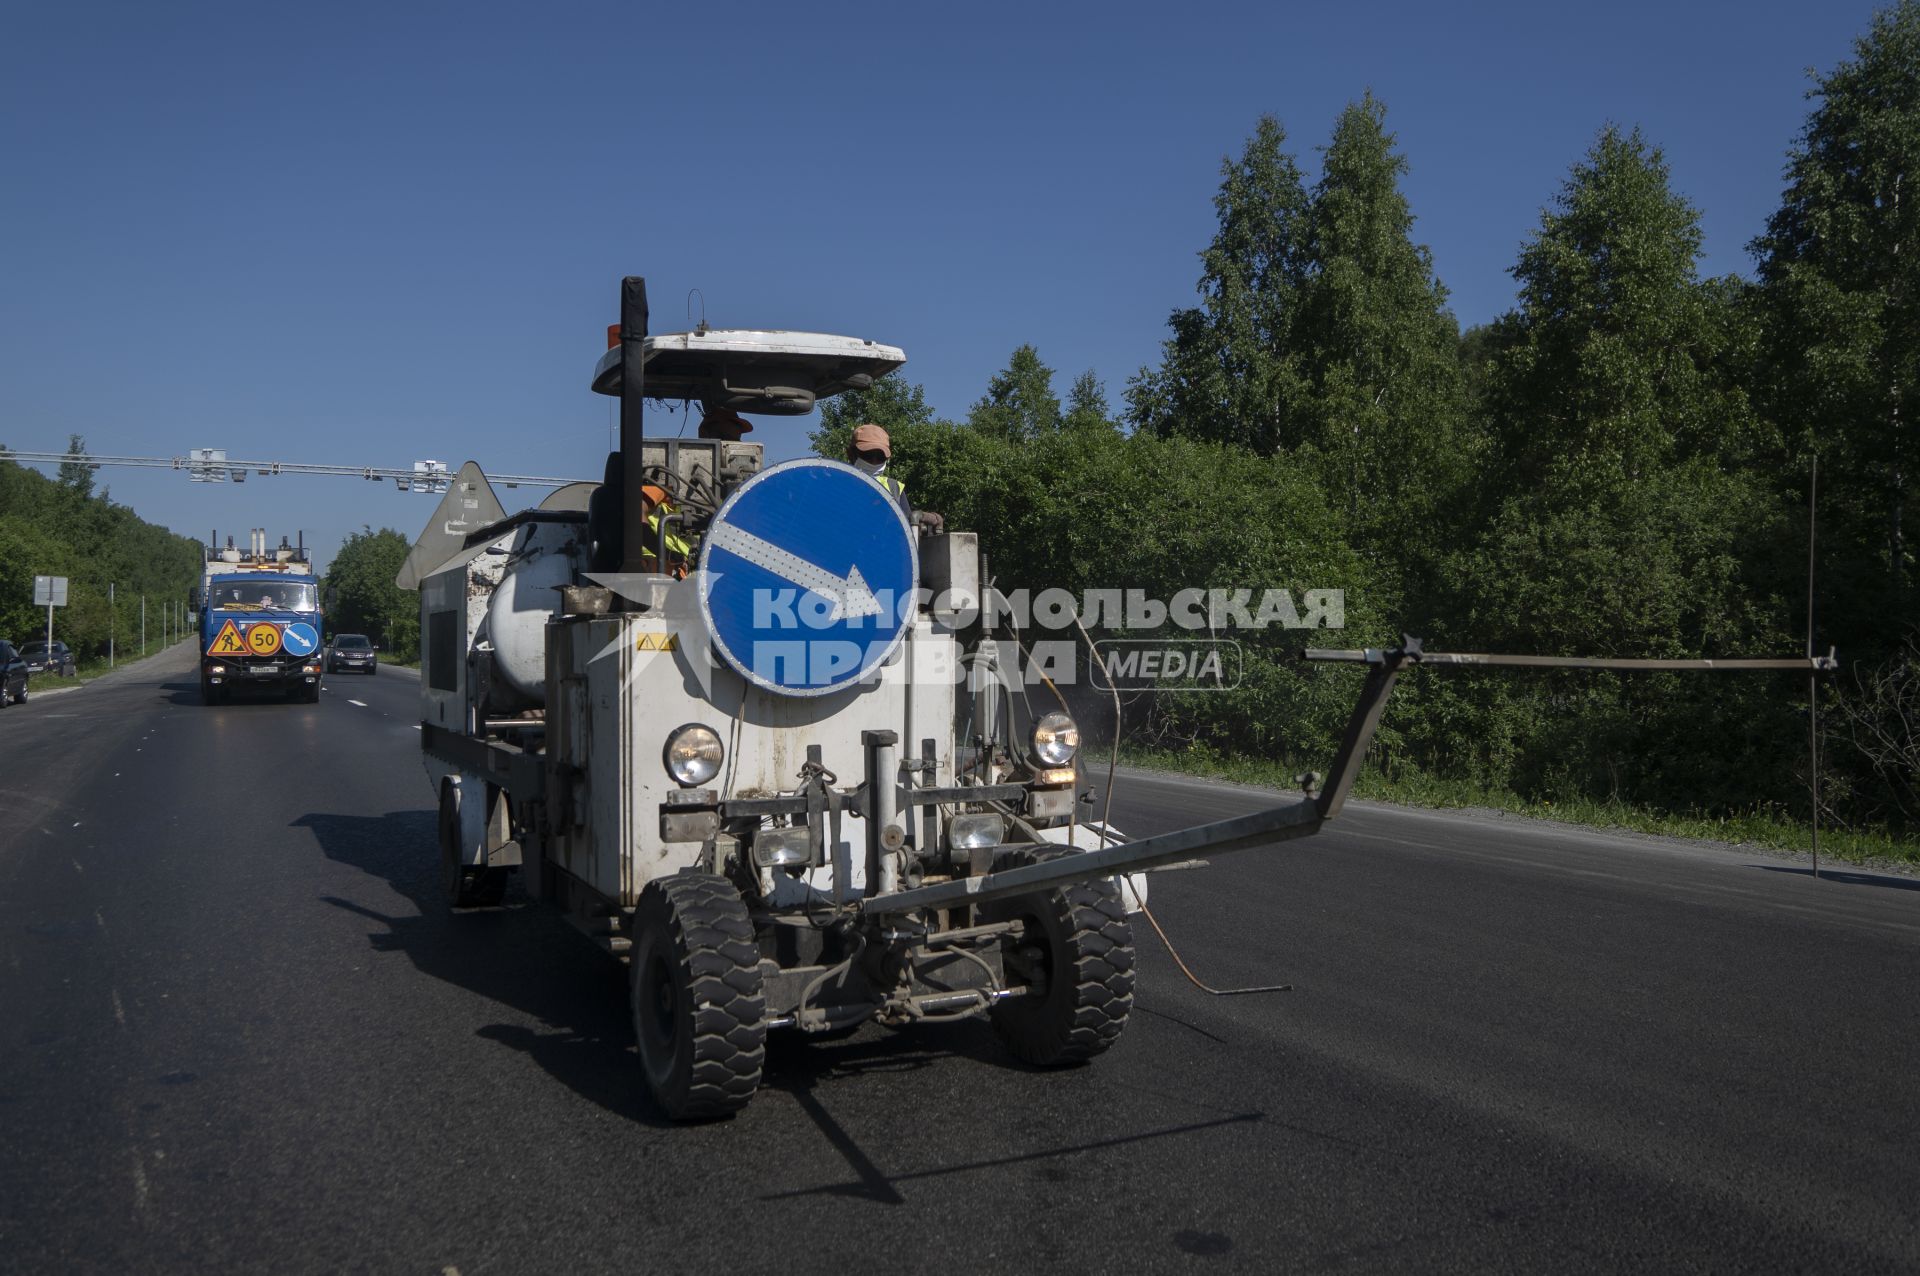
(694,755)
(1056,738)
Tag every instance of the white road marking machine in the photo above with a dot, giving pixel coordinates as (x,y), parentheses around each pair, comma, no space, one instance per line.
(744,726)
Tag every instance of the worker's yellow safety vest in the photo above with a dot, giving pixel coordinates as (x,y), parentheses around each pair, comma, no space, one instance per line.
(676,544)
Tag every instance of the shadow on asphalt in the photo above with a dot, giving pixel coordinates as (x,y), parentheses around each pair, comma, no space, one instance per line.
(188,693)
(527,958)
(1846,878)
(524,958)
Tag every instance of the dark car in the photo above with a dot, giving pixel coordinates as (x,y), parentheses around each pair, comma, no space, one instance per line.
(13,675)
(351,652)
(43,659)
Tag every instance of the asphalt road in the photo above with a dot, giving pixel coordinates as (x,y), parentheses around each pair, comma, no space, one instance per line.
(240,1033)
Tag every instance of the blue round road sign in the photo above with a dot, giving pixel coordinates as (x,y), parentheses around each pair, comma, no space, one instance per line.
(807,576)
(299,639)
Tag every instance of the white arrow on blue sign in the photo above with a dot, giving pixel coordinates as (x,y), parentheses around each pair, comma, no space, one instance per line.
(807,576)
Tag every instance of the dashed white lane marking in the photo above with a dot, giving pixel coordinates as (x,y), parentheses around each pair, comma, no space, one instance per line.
(99,919)
(416,726)
(77,868)
(119,1011)
(76,824)
(361,703)
(139,1183)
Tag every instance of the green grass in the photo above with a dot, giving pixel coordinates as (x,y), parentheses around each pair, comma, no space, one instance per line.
(87,670)
(1765,828)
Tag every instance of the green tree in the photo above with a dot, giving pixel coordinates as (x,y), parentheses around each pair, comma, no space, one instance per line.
(1616,355)
(1019,402)
(77,476)
(47,527)
(1839,266)
(1087,405)
(1625,507)
(1379,350)
(362,597)
(891,402)
(1229,372)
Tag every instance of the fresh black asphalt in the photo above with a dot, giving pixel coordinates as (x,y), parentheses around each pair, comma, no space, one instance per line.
(238,1032)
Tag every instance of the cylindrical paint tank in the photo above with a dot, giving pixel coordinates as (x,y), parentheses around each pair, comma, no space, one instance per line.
(517,613)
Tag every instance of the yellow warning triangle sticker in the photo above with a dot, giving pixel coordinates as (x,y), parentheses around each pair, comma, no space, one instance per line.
(654,642)
(228,642)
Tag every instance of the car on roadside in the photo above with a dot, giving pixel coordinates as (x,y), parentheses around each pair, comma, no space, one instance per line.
(352,653)
(55,659)
(13,675)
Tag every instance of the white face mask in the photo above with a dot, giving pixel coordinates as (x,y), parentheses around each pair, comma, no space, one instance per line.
(869,467)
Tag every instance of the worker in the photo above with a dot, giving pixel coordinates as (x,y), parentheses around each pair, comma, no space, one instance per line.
(724,424)
(869,451)
(655,502)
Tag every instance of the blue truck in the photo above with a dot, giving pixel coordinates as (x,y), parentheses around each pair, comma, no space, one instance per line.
(260,621)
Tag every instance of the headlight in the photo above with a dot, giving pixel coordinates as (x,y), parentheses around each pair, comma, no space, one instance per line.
(694,755)
(782,848)
(1056,739)
(965,832)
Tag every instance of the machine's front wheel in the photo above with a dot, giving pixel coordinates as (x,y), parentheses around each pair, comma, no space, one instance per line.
(699,1013)
(467,885)
(1079,946)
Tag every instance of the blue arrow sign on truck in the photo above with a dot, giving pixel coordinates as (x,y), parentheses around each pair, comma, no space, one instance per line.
(807,577)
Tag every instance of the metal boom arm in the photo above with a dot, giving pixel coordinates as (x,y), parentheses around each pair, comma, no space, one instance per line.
(1301,817)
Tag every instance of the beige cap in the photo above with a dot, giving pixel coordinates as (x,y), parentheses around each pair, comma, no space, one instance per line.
(871,438)
(724,423)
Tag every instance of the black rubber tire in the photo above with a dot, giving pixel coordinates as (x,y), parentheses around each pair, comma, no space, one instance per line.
(699,1012)
(465,885)
(1079,936)
(210,694)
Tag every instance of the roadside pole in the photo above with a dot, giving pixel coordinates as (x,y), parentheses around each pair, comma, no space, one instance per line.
(110,620)
(143,624)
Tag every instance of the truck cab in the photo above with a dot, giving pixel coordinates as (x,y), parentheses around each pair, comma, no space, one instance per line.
(260,622)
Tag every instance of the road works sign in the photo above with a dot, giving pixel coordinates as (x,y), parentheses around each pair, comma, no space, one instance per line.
(807,577)
(228,642)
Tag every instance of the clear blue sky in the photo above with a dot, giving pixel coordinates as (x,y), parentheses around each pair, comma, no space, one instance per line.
(375,233)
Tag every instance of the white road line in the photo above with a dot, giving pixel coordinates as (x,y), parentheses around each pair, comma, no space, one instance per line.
(119,1011)
(361,703)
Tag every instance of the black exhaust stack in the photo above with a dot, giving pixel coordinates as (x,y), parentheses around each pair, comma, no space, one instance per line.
(633,388)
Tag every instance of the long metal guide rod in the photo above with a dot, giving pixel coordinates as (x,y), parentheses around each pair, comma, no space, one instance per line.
(1298,818)
(1294,819)
(1373,656)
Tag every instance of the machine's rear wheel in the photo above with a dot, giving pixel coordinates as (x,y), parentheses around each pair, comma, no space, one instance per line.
(699,1014)
(210,694)
(467,885)
(1079,944)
